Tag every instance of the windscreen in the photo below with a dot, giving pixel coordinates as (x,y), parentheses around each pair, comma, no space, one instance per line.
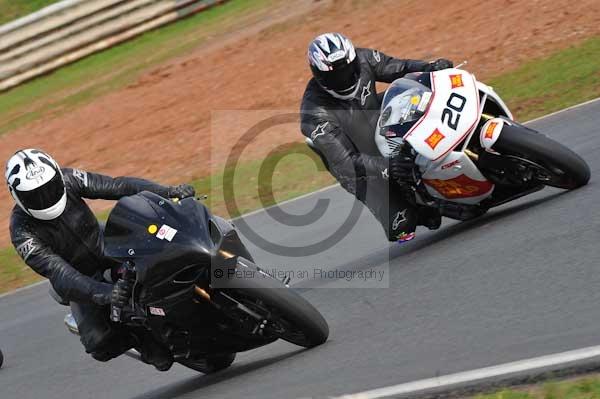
(146,225)
(405,101)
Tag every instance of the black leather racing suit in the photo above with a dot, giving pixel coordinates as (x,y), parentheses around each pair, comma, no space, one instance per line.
(343,132)
(68,251)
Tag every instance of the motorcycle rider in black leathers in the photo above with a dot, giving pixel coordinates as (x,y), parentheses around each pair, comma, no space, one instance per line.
(58,236)
(339,114)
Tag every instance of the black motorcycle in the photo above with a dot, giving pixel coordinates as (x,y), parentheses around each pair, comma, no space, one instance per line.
(196,287)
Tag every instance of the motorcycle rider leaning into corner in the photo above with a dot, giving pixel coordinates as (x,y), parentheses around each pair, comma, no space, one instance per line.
(339,114)
(58,236)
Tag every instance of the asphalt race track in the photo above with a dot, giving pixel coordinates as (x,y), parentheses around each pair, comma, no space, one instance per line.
(520,282)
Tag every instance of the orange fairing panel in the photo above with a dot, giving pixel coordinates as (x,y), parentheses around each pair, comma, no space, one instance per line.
(459,187)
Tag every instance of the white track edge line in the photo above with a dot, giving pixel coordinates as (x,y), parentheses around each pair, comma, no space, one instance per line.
(251,213)
(478,374)
(23,288)
(564,109)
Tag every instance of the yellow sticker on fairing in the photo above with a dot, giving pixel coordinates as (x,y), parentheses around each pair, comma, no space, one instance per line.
(152,229)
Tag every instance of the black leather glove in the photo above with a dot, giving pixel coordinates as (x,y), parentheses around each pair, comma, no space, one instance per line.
(181,191)
(102,295)
(439,64)
(402,168)
(121,291)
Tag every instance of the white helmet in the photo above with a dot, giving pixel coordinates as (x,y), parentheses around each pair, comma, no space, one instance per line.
(36,183)
(334,65)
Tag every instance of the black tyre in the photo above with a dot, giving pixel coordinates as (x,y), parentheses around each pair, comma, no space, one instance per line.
(560,167)
(1,358)
(290,316)
(209,364)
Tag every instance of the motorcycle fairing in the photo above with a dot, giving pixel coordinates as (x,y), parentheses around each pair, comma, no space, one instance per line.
(489,94)
(129,236)
(433,136)
(455,178)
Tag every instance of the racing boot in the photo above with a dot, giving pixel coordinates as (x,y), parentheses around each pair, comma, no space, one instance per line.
(153,352)
(429,217)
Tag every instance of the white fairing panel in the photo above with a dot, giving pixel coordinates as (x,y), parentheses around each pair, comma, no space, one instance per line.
(489,91)
(452,114)
(456,179)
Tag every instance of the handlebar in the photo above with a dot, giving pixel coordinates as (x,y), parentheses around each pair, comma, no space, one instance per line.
(129,274)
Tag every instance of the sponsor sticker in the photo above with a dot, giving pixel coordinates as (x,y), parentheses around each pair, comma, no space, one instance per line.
(451,164)
(152,229)
(319,131)
(424,101)
(26,249)
(456,81)
(338,55)
(459,187)
(156,311)
(489,132)
(34,173)
(385,174)
(81,175)
(366,92)
(403,237)
(166,233)
(377,55)
(434,139)
(398,219)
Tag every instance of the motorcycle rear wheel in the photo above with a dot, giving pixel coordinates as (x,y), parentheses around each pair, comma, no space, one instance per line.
(558,165)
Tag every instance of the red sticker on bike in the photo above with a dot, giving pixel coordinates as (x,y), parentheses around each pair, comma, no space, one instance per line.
(456,81)
(459,187)
(434,139)
(489,132)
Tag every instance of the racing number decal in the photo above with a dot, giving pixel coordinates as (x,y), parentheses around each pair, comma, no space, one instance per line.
(457,103)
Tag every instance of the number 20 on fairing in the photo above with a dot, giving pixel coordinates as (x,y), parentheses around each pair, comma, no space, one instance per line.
(456,103)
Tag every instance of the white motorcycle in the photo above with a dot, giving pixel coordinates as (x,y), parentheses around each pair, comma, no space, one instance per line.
(470,153)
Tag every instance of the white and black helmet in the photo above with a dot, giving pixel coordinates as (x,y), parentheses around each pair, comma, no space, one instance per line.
(36,183)
(334,65)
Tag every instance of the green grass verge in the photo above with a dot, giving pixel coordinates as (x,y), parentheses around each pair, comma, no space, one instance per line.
(579,388)
(13,272)
(542,86)
(13,9)
(116,67)
(252,192)
(536,88)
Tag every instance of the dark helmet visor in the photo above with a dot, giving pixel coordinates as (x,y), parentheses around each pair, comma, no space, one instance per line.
(343,77)
(44,196)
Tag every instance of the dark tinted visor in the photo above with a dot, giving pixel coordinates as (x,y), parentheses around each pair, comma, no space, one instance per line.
(343,77)
(44,196)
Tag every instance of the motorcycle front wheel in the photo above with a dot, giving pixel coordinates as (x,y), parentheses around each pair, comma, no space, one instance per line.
(287,315)
(554,164)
